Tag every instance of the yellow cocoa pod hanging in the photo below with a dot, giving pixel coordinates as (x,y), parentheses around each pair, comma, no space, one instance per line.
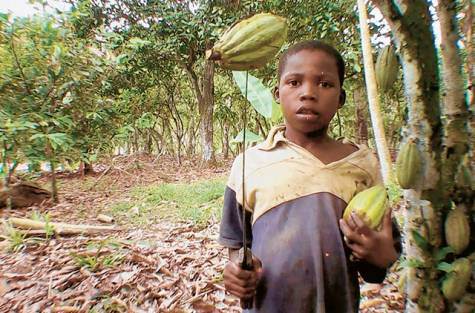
(370,205)
(251,43)
(457,230)
(456,281)
(386,68)
(408,165)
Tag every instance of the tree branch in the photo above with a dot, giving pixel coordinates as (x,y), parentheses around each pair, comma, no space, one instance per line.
(25,81)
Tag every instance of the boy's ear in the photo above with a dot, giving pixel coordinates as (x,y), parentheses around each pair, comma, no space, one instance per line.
(275,92)
(342,97)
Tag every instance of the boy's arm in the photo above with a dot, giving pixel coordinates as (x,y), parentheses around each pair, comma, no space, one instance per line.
(375,250)
(231,228)
(372,273)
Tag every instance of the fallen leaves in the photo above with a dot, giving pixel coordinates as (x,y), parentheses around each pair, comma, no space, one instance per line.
(160,277)
(170,267)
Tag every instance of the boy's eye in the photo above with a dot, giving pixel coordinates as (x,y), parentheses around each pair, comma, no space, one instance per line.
(293,83)
(325,84)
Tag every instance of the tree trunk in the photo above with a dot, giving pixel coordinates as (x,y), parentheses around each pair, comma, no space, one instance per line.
(410,23)
(51,157)
(469,65)
(88,168)
(468,31)
(361,116)
(226,140)
(454,106)
(6,176)
(206,113)
(455,109)
(373,101)
(416,48)
(205,96)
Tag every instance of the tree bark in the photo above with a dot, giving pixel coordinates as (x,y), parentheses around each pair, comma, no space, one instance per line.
(206,113)
(361,116)
(454,106)
(51,158)
(205,96)
(373,101)
(411,27)
(468,31)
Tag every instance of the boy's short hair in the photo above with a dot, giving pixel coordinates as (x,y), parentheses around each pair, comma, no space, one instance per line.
(313,45)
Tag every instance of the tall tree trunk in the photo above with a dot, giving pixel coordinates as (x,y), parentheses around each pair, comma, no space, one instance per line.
(205,96)
(470,65)
(455,109)
(361,115)
(51,157)
(88,169)
(414,41)
(206,113)
(454,106)
(468,31)
(6,176)
(226,139)
(440,147)
(373,100)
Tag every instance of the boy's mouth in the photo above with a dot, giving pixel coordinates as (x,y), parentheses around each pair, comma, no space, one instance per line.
(306,111)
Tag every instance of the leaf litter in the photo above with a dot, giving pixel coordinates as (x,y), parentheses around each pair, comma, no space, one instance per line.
(170,266)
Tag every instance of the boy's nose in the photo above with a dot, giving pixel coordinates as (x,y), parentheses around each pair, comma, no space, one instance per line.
(308,92)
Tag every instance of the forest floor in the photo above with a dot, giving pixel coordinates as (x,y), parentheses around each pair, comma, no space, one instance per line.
(163,257)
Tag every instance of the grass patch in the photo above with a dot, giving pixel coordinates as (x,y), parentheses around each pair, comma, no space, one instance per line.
(198,202)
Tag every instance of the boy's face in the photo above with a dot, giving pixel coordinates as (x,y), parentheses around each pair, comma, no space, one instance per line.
(309,91)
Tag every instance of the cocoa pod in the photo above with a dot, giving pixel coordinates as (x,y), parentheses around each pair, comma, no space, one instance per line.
(370,205)
(456,281)
(408,165)
(251,43)
(386,68)
(457,230)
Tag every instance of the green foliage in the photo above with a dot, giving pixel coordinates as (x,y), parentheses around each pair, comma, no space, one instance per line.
(48,75)
(16,238)
(99,255)
(107,76)
(258,95)
(250,137)
(49,229)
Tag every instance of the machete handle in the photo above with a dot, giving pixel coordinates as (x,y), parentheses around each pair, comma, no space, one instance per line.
(245,261)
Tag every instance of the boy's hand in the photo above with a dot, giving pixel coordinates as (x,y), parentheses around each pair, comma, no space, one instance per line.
(242,283)
(375,247)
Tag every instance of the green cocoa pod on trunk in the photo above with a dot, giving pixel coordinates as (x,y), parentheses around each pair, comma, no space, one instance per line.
(408,165)
(457,230)
(456,281)
(250,43)
(386,68)
(370,204)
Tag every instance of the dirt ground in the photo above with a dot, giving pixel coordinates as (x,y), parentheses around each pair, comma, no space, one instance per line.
(165,265)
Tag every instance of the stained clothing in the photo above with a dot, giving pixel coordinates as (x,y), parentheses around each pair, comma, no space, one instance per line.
(293,204)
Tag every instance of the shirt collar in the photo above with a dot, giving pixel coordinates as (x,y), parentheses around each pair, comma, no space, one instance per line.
(276,135)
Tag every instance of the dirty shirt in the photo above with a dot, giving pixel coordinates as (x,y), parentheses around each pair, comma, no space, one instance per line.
(293,203)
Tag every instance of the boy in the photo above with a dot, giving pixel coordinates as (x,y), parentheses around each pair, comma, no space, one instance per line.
(298,182)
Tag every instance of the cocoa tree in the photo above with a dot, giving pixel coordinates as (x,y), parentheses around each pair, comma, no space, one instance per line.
(437,123)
